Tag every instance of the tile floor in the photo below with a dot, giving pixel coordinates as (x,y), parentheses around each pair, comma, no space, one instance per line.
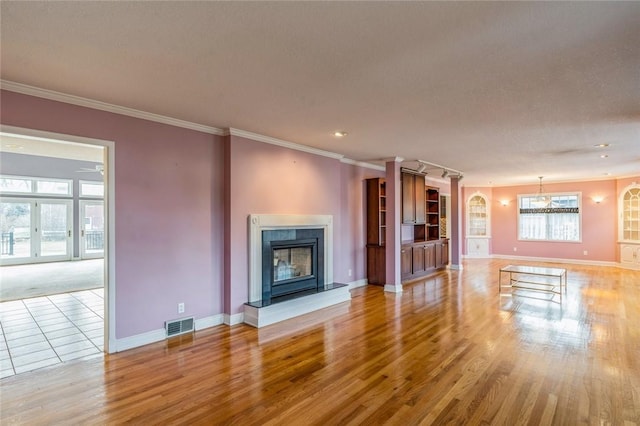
(43,331)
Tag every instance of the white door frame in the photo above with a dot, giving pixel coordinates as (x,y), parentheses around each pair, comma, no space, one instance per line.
(110,235)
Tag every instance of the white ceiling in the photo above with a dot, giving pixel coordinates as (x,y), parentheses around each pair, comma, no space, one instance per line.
(504,91)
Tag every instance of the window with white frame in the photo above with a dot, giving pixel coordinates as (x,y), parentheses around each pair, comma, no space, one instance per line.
(35,186)
(554,217)
(91,189)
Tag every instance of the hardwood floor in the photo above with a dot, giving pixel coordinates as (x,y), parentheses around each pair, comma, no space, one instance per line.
(447,350)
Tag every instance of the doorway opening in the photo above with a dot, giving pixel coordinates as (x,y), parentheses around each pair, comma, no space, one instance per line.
(56,218)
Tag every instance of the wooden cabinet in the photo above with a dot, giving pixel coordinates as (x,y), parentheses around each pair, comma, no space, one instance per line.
(413,198)
(429,256)
(432,207)
(418,265)
(420,259)
(422,252)
(406,262)
(420,207)
(376,211)
(376,230)
(376,265)
(408,198)
(442,253)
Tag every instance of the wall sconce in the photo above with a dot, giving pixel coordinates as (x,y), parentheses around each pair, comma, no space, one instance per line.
(504,203)
(597,199)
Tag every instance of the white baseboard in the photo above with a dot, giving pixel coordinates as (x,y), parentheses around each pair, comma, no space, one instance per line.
(140,339)
(557,260)
(358,283)
(630,267)
(393,288)
(211,321)
(161,334)
(234,319)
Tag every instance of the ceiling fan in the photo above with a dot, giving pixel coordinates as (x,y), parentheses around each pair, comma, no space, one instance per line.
(99,168)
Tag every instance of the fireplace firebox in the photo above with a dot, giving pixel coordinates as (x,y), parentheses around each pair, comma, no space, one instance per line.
(292,263)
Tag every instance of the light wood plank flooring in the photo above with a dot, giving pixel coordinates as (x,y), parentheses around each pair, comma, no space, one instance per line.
(449,350)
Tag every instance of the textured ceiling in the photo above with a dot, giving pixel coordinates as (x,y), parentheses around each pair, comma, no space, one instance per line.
(505,91)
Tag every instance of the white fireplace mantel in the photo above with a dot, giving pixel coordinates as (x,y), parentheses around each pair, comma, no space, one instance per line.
(259,317)
(266,222)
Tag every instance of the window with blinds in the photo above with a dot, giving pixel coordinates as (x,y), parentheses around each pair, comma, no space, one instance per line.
(552,217)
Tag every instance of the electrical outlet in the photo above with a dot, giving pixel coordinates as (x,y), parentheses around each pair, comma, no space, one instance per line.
(585,253)
(181,308)
(350,272)
(515,249)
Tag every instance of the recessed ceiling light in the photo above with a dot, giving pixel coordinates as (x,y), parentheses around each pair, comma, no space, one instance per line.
(604,156)
(601,145)
(339,134)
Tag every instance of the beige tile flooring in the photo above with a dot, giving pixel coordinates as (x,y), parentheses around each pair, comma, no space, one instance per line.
(44,331)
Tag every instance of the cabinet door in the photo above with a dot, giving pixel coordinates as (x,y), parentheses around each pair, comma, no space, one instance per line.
(408,198)
(420,199)
(430,256)
(445,253)
(629,253)
(418,259)
(406,257)
(478,247)
(438,248)
(376,265)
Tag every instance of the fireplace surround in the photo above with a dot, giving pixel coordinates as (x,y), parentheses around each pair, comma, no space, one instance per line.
(260,312)
(292,263)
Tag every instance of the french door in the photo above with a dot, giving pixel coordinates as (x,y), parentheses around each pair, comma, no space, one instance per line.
(35,230)
(91,229)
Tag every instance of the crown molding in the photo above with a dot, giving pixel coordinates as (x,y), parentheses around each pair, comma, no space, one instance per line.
(279,142)
(595,179)
(130,112)
(393,159)
(103,106)
(362,164)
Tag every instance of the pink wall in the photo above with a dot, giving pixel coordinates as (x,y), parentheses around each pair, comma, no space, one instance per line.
(623,183)
(173,189)
(171,206)
(443,186)
(168,209)
(267,179)
(599,222)
(351,253)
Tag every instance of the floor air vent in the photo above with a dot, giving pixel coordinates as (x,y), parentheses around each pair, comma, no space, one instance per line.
(180,326)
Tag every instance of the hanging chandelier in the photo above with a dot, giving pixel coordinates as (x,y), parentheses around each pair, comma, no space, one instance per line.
(541,200)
